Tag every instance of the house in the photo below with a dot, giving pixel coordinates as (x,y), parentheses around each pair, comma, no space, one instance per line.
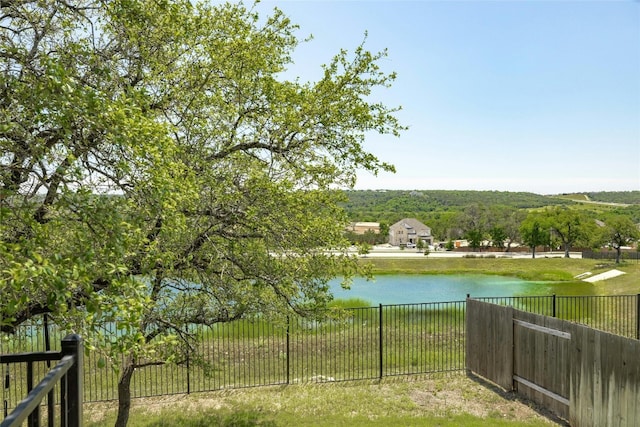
(363,227)
(409,231)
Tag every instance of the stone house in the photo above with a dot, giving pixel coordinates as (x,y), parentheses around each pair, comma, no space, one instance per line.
(409,231)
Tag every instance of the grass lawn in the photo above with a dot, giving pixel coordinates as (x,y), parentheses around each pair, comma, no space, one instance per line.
(559,270)
(438,400)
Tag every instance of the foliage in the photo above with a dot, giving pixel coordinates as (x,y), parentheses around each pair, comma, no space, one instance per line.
(569,226)
(534,232)
(393,205)
(632,211)
(156,168)
(623,197)
(445,225)
(475,238)
(620,231)
(364,249)
(350,303)
(369,237)
(498,236)
(447,212)
(603,197)
(474,220)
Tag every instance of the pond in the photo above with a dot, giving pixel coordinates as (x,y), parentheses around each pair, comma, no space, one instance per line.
(416,288)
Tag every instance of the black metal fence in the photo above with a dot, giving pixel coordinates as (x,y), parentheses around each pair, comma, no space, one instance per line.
(611,255)
(616,314)
(66,376)
(367,343)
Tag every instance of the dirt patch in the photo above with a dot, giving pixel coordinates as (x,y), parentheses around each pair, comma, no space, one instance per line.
(476,396)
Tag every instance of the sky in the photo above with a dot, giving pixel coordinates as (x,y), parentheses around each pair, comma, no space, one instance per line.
(536,96)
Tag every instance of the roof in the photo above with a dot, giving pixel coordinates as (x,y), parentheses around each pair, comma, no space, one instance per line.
(366,224)
(410,223)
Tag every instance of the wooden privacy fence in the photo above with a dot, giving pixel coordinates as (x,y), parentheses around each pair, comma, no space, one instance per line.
(587,376)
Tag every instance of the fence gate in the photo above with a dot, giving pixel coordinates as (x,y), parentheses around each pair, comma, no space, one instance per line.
(520,351)
(589,377)
(541,359)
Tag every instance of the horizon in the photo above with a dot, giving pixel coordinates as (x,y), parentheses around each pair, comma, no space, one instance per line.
(497,191)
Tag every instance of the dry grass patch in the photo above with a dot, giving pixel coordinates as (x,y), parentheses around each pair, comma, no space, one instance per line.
(452,399)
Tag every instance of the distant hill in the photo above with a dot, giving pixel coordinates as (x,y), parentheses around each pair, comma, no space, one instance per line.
(450,198)
(618,197)
(391,205)
(386,205)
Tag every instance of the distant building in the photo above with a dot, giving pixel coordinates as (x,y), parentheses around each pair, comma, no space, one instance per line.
(409,231)
(363,227)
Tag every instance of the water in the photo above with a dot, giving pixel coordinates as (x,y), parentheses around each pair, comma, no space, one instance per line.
(415,288)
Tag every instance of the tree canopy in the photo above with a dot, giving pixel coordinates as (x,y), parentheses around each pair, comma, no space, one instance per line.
(534,231)
(569,227)
(156,168)
(619,231)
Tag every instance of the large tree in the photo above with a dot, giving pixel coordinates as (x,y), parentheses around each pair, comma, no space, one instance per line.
(474,221)
(570,226)
(157,169)
(534,231)
(620,231)
(504,225)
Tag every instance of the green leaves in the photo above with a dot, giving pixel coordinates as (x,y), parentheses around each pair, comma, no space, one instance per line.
(156,168)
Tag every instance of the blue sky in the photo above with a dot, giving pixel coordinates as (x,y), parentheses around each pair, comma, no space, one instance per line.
(539,96)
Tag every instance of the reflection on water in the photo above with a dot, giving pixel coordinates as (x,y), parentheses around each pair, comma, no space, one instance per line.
(415,288)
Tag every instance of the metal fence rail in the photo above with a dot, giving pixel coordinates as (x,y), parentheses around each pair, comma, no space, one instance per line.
(367,343)
(616,314)
(66,377)
(625,254)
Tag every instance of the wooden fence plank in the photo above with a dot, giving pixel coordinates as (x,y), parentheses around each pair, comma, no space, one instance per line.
(605,379)
(596,373)
(490,342)
(630,354)
(540,358)
(581,396)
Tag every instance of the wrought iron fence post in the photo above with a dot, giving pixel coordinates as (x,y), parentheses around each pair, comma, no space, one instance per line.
(34,418)
(188,371)
(288,358)
(554,306)
(71,390)
(7,384)
(380,336)
(47,347)
(47,338)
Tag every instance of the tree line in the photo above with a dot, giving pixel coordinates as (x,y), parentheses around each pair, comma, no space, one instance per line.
(501,219)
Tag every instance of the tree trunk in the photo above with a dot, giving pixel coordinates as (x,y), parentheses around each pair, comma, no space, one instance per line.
(618,253)
(566,251)
(533,252)
(124,392)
